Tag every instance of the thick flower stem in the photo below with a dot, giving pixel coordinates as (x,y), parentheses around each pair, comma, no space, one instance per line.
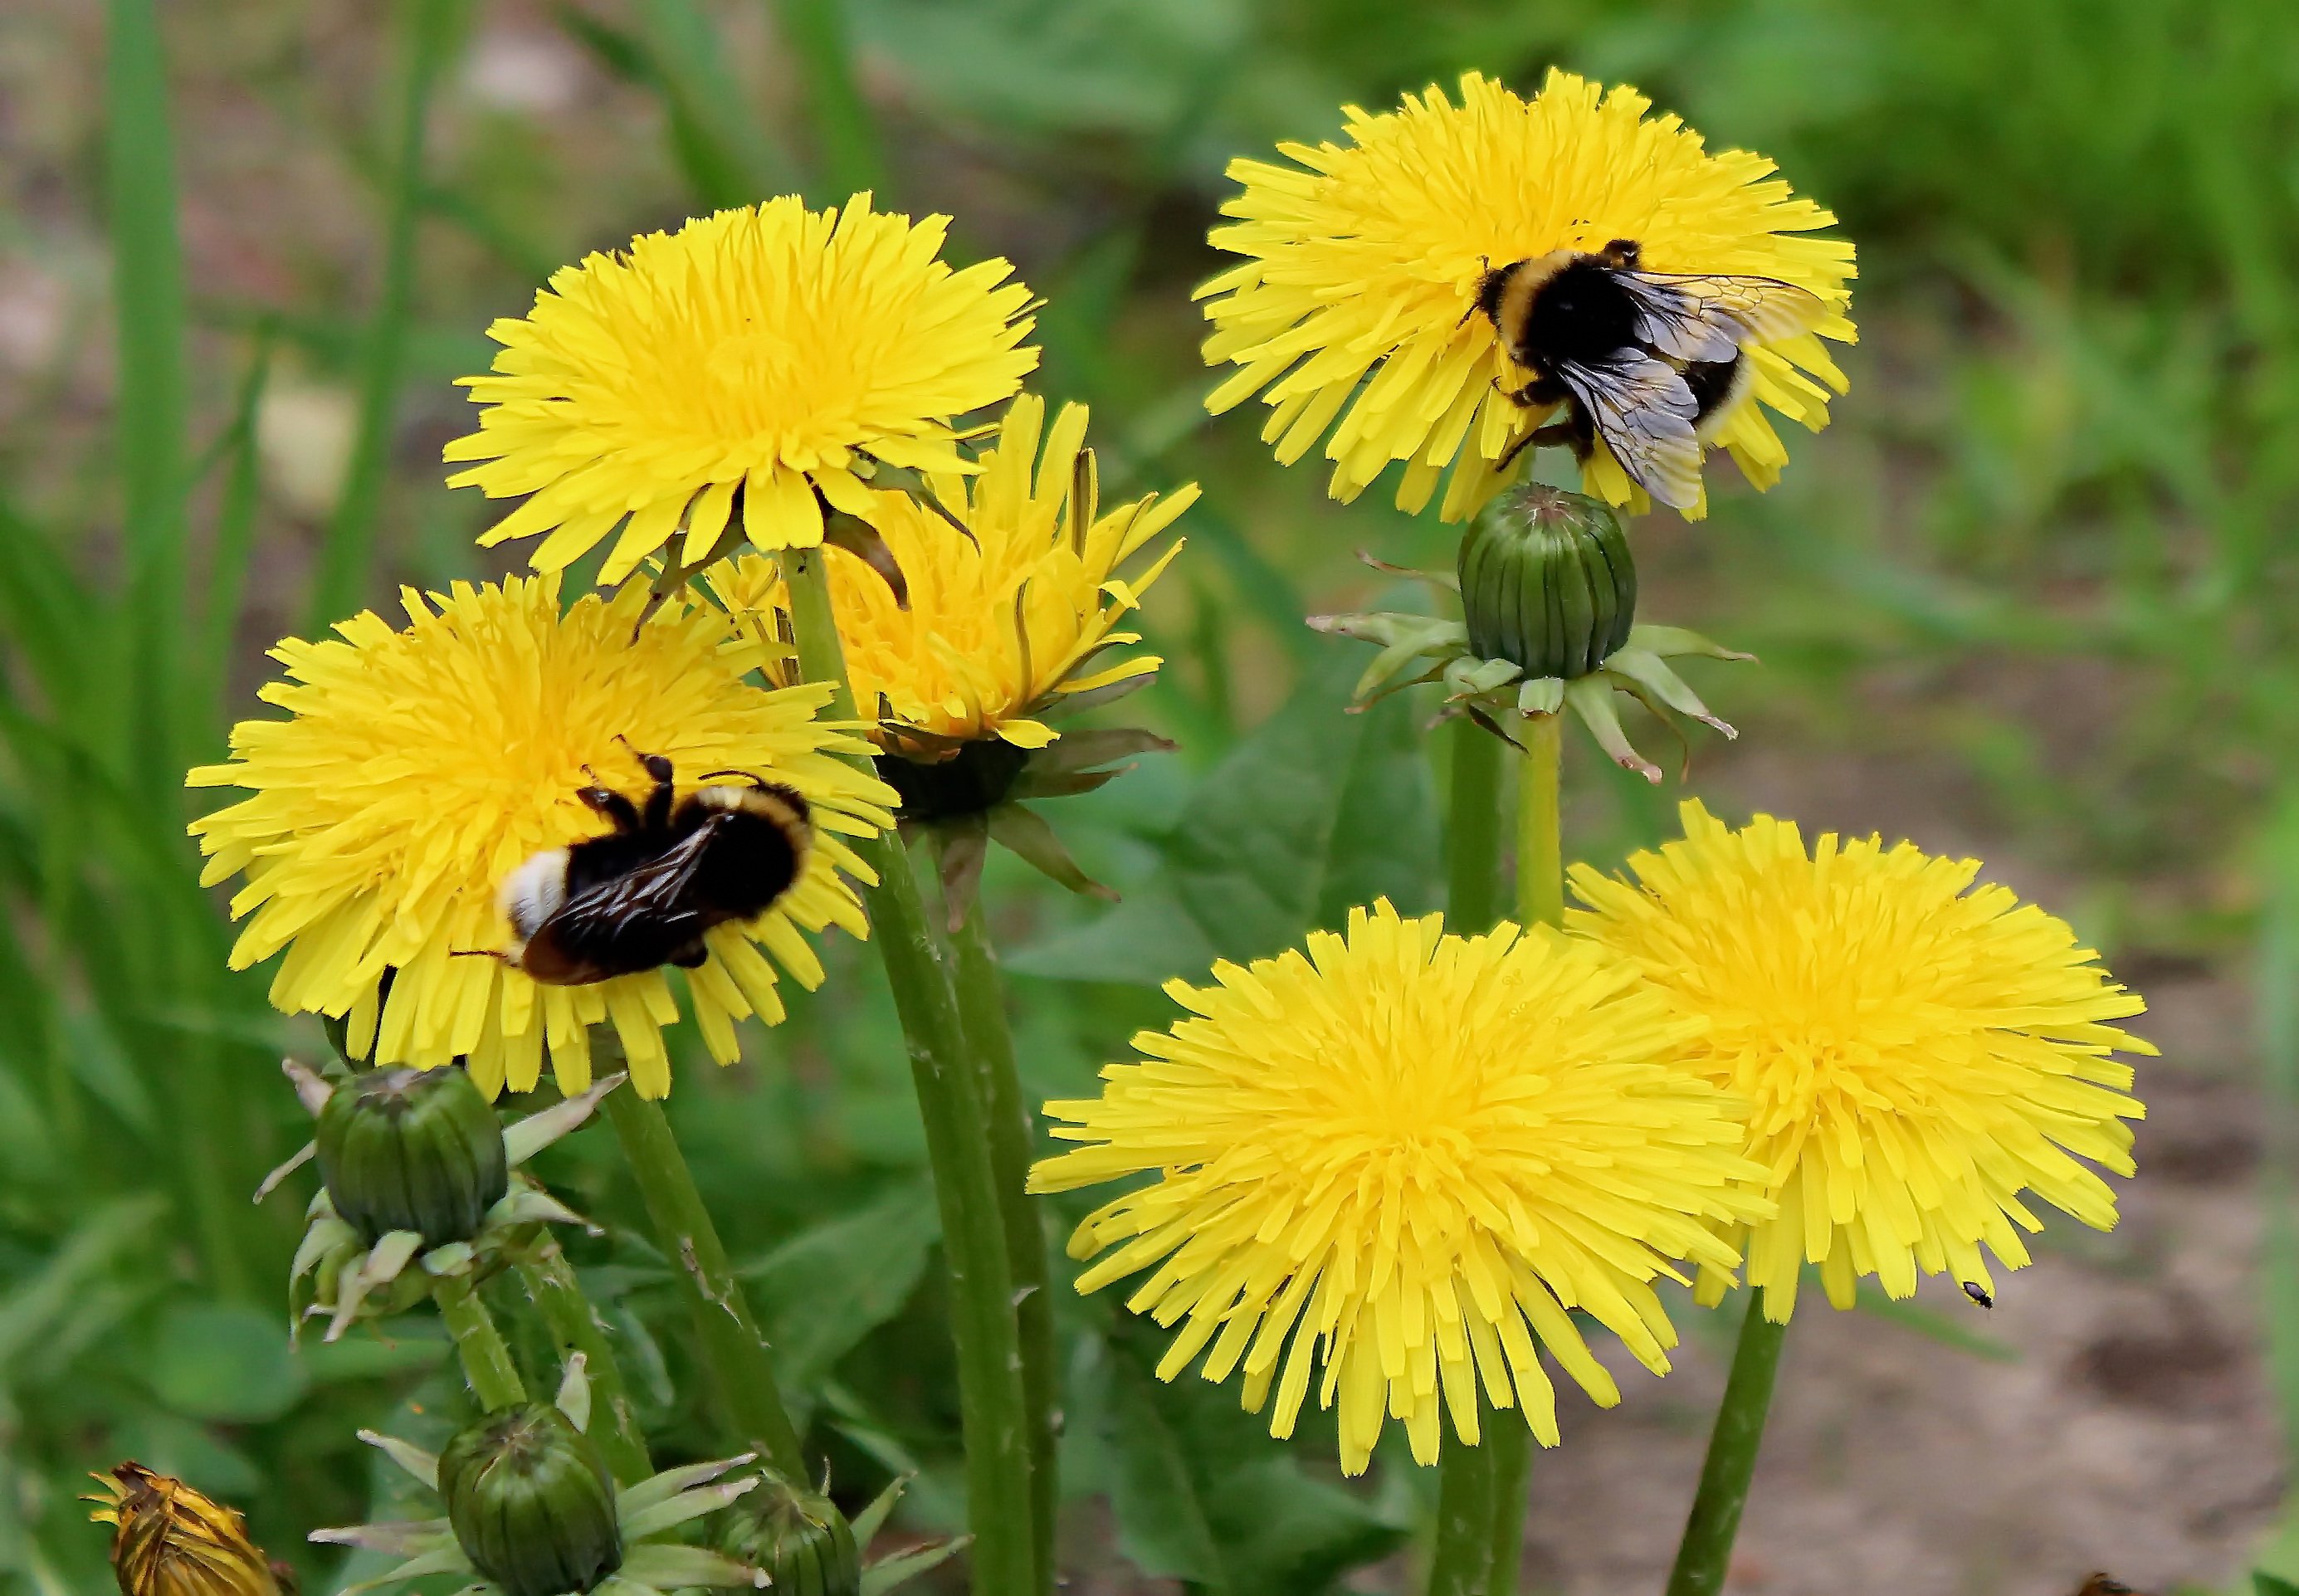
(982,1009)
(740,1364)
(1706,1552)
(992,1404)
(576,1326)
(1540,831)
(486,1361)
(1472,830)
(1481,1488)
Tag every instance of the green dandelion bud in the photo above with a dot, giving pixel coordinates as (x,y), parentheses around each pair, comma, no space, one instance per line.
(531,1502)
(414,1150)
(800,1538)
(1547,583)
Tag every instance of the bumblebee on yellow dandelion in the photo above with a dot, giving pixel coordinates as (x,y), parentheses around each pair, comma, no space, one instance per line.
(419,769)
(1433,291)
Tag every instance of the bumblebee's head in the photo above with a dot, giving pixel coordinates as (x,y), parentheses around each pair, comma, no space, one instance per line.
(1492,285)
(534,892)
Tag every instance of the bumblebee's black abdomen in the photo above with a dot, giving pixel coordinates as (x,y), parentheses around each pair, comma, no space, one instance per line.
(748,863)
(1581,314)
(1712,383)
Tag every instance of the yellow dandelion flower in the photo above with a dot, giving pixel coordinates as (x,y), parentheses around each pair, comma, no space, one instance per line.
(418,768)
(1413,1154)
(1356,313)
(1919,1053)
(169,1540)
(990,634)
(719,378)
(989,631)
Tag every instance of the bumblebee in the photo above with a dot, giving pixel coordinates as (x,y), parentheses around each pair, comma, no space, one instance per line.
(1650,362)
(644,894)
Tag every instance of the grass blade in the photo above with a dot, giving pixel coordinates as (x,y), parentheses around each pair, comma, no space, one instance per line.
(726,151)
(429,30)
(234,537)
(2278,1046)
(147,286)
(845,133)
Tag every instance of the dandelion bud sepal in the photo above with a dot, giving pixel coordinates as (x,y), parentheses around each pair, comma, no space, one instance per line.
(421,1183)
(416,1150)
(1549,595)
(800,1538)
(532,1511)
(531,1502)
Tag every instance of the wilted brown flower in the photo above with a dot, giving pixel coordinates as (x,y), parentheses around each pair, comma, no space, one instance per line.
(171,1540)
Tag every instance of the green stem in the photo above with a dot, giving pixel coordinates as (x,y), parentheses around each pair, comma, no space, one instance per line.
(1013,1128)
(1480,1489)
(1473,829)
(576,1326)
(740,1365)
(347,552)
(486,1361)
(1705,1551)
(993,1403)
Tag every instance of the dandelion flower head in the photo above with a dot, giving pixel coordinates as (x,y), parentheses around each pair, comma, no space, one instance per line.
(1920,1053)
(418,767)
(1354,316)
(736,368)
(1411,1154)
(994,629)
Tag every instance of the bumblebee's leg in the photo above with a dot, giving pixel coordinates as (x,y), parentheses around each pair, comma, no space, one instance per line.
(619,810)
(690,955)
(658,805)
(1556,434)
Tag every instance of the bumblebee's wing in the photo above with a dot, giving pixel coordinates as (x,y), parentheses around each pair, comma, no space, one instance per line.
(1690,317)
(1642,409)
(652,902)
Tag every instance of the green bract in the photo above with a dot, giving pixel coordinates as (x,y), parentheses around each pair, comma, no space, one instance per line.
(1547,583)
(531,1502)
(799,1537)
(422,1183)
(416,1150)
(531,1511)
(1548,595)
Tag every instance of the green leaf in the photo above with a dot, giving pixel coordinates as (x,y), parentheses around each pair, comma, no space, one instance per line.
(225,1361)
(1161,1522)
(1203,1493)
(1315,812)
(2264,1583)
(823,1291)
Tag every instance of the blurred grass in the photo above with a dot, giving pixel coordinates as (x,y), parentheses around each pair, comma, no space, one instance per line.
(2043,560)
